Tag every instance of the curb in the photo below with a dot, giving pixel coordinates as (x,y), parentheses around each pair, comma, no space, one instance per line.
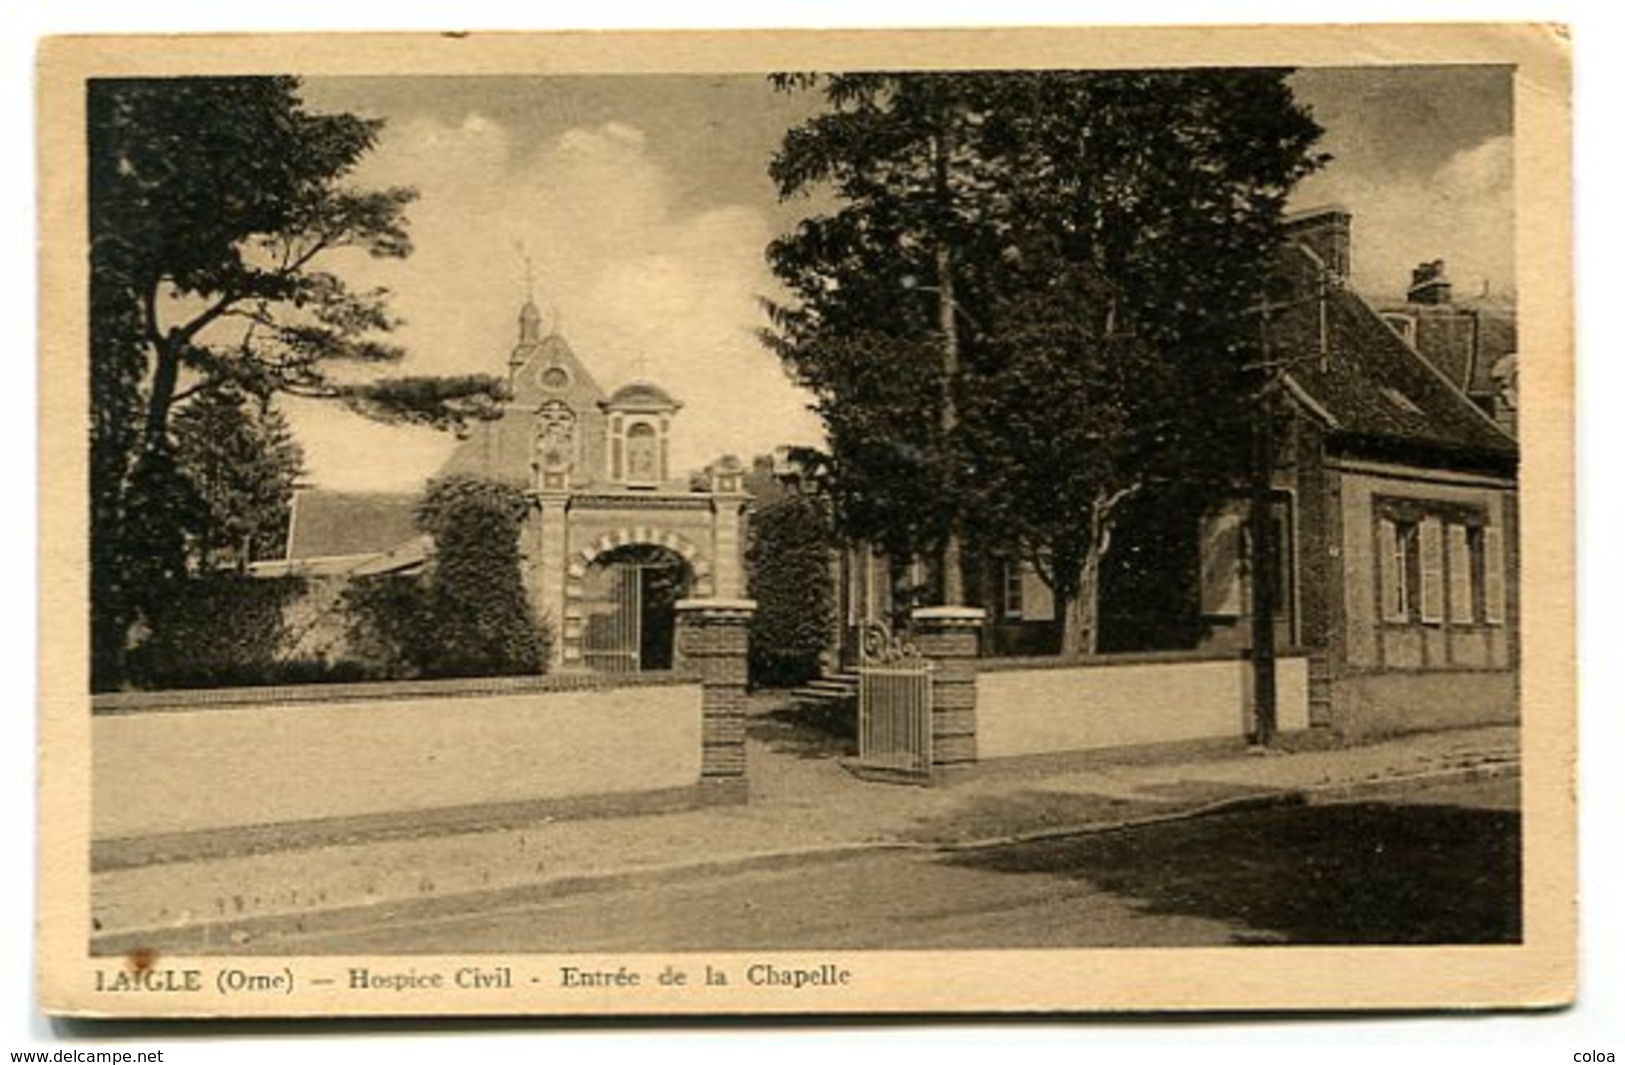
(1263,800)
(1329,793)
(359,915)
(494,900)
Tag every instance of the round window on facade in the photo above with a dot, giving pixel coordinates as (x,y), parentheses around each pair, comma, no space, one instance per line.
(556,377)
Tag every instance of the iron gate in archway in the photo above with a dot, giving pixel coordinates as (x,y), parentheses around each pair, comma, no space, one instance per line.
(629,609)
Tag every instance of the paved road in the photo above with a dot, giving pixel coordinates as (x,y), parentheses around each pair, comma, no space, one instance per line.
(1429,866)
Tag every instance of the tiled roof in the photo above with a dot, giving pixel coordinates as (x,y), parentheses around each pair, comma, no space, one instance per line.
(405,557)
(1373,387)
(327,524)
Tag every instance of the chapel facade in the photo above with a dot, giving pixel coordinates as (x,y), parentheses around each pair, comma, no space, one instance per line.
(613,539)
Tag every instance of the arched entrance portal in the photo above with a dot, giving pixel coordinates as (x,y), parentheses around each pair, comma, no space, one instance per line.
(629,606)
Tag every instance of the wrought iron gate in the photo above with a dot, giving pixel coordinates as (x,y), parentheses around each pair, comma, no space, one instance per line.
(894,707)
(613,636)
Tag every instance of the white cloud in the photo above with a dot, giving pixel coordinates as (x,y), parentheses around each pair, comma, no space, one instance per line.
(1461,213)
(634,278)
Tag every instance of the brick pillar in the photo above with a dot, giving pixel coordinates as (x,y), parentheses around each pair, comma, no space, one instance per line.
(550,579)
(951,637)
(712,644)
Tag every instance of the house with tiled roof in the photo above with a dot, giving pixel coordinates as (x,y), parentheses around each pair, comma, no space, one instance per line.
(1395,517)
(1397,513)
(1472,341)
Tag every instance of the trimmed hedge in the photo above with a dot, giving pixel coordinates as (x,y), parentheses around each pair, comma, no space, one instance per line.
(790,579)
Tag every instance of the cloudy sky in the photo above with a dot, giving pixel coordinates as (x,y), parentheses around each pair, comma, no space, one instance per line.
(643,206)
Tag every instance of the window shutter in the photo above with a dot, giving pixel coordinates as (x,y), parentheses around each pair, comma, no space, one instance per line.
(1432,535)
(1461,576)
(1389,572)
(1495,595)
(1222,547)
(1011,577)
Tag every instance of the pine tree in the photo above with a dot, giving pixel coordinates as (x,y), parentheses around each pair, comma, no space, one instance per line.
(214,203)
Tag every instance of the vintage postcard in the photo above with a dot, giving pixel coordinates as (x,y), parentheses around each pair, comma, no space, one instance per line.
(806,523)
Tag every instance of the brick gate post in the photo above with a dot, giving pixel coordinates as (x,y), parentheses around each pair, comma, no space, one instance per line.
(951,637)
(713,644)
(549,569)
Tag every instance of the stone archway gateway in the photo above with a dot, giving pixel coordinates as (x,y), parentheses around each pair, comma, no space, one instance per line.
(616,536)
(599,469)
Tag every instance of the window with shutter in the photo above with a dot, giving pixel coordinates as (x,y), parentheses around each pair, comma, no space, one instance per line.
(1391,571)
(1432,571)
(1010,592)
(1459,560)
(1494,577)
(1439,562)
(1223,552)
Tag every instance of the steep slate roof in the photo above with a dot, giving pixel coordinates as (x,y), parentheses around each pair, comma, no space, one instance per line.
(1498,338)
(1463,338)
(327,524)
(1373,389)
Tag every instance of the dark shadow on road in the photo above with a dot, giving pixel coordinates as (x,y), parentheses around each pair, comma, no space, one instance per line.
(1368,872)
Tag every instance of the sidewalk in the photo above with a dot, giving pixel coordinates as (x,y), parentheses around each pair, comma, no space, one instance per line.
(802,803)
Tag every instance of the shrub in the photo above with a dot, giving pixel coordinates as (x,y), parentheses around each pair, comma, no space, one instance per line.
(790,579)
(468,616)
(222,630)
(388,625)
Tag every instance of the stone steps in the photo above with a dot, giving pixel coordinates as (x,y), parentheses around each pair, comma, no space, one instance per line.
(831,687)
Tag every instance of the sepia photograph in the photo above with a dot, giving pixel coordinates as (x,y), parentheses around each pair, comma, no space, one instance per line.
(911,528)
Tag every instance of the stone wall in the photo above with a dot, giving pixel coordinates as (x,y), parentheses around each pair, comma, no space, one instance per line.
(168,763)
(1028,707)
(1371,705)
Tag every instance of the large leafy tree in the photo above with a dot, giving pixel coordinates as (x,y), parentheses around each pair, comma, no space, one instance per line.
(214,205)
(1080,250)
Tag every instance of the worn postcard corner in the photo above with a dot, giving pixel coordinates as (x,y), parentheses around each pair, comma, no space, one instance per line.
(816,523)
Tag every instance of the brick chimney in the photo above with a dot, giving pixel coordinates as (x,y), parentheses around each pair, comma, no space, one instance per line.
(1428,284)
(1324,231)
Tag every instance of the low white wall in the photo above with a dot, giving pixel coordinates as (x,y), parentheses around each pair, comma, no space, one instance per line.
(1045,710)
(174,769)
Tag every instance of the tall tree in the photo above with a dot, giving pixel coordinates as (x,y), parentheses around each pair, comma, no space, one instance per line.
(1089,244)
(241,458)
(878,303)
(213,204)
